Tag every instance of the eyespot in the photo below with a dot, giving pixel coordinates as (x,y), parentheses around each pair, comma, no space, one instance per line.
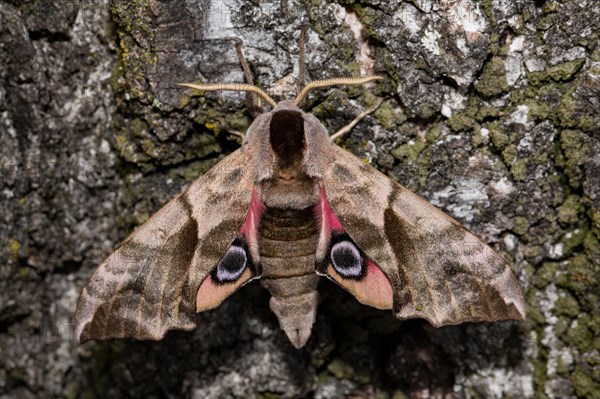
(231,267)
(347,259)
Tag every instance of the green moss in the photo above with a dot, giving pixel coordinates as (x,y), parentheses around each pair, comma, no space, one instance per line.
(425,111)
(580,276)
(488,9)
(116,76)
(591,242)
(477,139)
(200,146)
(399,395)
(409,150)
(14,248)
(493,79)
(189,172)
(595,56)
(340,369)
(579,335)
(240,121)
(136,28)
(509,154)
(518,169)
(323,376)
(499,139)
(540,364)
(380,393)
(547,21)
(121,143)
(139,127)
(569,211)
(388,117)
(494,47)
(550,7)
(521,225)
(567,306)
(352,69)
(539,110)
(545,274)
(584,384)
(534,313)
(151,148)
(460,122)
(531,252)
(557,73)
(573,240)
(433,133)
(575,146)
(367,17)
(540,158)
(566,109)
(184,101)
(332,103)
(562,369)
(136,16)
(593,324)
(487,112)
(595,217)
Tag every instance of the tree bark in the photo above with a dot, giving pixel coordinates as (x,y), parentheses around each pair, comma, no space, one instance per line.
(492,113)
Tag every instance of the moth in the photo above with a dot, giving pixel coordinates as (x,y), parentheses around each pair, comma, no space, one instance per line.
(290,207)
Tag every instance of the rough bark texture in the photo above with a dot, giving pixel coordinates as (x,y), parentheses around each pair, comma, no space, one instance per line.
(491,113)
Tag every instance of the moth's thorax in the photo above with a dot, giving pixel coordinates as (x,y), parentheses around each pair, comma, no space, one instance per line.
(290,151)
(302,192)
(290,184)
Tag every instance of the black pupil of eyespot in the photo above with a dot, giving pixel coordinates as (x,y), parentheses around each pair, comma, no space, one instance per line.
(346,259)
(231,267)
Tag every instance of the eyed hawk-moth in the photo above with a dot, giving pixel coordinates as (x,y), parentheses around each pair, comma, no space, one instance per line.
(288,207)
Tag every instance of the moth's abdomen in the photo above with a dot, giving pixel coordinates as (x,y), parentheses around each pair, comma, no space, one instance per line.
(287,240)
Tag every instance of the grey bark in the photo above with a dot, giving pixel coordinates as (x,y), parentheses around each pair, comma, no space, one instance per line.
(491,113)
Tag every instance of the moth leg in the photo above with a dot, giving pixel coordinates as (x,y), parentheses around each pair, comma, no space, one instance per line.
(252,102)
(235,132)
(229,130)
(350,125)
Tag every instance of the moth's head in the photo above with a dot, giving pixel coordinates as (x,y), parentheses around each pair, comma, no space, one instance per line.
(286,135)
(287,138)
(289,147)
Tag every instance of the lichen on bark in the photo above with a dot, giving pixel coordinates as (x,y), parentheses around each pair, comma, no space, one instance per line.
(491,113)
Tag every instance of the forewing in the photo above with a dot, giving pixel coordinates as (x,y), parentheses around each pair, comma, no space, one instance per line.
(150,283)
(438,270)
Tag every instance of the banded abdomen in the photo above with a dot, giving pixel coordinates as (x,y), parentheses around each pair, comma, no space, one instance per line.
(287,240)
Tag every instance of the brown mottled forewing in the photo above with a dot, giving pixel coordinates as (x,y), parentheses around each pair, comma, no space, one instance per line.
(438,270)
(149,284)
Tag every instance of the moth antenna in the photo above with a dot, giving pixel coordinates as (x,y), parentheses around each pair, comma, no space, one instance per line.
(301,44)
(319,84)
(254,105)
(350,125)
(231,87)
